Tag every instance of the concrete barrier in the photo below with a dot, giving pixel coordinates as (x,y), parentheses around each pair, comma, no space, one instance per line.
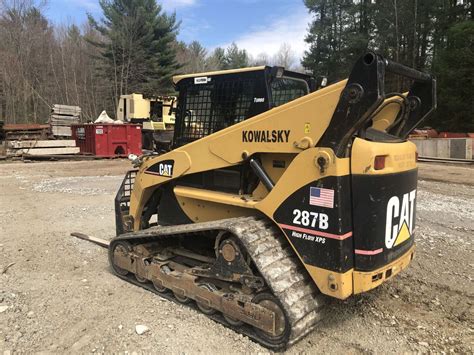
(456,148)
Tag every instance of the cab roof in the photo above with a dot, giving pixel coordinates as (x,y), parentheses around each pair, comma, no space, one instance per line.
(178,78)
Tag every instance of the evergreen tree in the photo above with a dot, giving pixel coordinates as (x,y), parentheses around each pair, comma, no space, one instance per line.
(138,50)
(423,34)
(236,58)
(455,74)
(216,61)
(338,34)
(197,57)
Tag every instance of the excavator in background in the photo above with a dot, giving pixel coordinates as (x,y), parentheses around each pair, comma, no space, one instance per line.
(156,115)
(276,195)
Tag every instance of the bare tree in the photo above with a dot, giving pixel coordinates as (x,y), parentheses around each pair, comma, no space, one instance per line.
(285,57)
(262,59)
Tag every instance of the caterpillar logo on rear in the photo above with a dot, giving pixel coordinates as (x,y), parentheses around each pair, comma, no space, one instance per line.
(399,224)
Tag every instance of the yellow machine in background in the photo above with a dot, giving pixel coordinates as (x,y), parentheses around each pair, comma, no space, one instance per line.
(156,114)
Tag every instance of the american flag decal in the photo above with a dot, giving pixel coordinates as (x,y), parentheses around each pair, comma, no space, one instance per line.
(319,196)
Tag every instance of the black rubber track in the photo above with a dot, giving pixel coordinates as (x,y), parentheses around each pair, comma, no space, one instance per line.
(283,273)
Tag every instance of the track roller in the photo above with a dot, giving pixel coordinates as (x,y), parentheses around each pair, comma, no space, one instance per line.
(203,307)
(232,321)
(159,287)
(181,298)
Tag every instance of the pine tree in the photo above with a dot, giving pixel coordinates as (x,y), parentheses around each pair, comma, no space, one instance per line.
(338,34)
(236,58)
(455,74)
(138,50)
(197,57)
(216,61)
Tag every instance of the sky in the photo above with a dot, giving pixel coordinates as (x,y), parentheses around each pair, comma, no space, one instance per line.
(256,25)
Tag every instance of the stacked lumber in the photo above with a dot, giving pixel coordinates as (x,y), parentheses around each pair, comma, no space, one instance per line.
(41,147)
(61,119)
(30,131)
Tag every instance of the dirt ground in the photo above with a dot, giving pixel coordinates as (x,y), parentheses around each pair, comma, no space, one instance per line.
(57,294)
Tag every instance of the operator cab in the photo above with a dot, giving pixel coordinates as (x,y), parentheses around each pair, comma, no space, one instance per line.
(209,102)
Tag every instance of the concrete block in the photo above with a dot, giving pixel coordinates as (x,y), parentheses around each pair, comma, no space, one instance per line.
(42,144)
(49,151)
(454,148)
(443,148)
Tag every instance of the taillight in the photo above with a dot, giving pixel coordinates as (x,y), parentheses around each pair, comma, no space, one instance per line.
(379,162)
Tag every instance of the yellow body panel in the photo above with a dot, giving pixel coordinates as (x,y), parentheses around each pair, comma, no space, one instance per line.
(387,115)
(334,284)
(365,281)
(398,157)
(199,210)
(215,196)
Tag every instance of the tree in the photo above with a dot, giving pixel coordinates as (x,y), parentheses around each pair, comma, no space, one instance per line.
(26,37)
(192,57)
(216,61)
(327,38)
(137,47)
(285,57)
(455,73)
(417,33)
(262,59)
(236,58)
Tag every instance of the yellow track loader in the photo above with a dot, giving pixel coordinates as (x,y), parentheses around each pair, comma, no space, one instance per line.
(276,195)
(155,114)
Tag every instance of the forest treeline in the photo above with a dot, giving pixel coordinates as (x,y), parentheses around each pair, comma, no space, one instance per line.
(134,47)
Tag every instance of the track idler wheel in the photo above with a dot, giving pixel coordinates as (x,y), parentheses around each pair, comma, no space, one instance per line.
(121,247)
(282,325)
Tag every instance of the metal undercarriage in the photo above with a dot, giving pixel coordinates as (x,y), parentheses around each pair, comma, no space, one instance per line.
(237,271)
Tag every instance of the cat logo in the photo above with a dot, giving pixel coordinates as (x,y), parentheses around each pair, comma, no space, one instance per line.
(399,224)
(163,168)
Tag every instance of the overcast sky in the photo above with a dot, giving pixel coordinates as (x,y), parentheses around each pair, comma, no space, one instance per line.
(256,25)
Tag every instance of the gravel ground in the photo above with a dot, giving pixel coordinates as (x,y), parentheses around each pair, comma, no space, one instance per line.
(57,294)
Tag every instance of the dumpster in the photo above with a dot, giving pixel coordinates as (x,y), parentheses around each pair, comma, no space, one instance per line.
(108,140)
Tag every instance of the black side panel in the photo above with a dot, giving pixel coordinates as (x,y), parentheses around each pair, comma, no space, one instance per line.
(169,211)
(321,235)
(384,217)
(224,180)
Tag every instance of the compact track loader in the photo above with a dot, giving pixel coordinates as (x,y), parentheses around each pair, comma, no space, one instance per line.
(276,195)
